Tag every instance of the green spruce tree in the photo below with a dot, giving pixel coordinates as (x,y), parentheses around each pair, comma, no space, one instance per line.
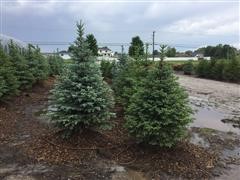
(55,65)
(23,72)
(136,50)
(42,68)
(8,80)
(159,112)
(92,44)
(81,99)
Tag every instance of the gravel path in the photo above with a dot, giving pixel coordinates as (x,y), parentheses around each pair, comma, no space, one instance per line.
(225,96)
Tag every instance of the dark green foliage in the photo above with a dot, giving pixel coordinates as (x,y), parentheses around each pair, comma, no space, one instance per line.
(81,99)
(106,68)
(217,69)
(55,65)
(158,112)
(22,72)
(156,53)
(8,80)
(171,52)
(20,68)
(92,44)
(219,52)
(129,77)
(43,66)
(38,65)
(189,53)
(188,68)
(162,53)
(203,69)
(136,50)
(231,71)
(221,69)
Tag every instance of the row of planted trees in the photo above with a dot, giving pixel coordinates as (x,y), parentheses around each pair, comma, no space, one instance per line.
(217,69)
(157,109)
(20,68)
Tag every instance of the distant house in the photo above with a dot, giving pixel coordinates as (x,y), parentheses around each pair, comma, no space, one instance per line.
(64,54)
(199,56)
(105,51)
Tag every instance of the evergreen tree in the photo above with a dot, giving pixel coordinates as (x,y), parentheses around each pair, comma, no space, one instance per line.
(23,72)
(92,44)
(8,80)
(159,112)
(42,69)
(81,99)
(55,65)
(162,53)
(136,50)
(129,76)
(171,52)
(32,61)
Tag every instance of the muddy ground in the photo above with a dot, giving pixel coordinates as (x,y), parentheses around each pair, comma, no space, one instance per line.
(30,147)
(224,96)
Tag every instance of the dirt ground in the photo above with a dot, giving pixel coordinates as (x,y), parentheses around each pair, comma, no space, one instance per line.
(224,96)
(31,148)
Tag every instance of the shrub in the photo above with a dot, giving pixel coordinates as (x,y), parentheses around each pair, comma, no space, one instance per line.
(220,69)
(177,67)
(188,68)
(217,69)
(158,112)
(231,70)
(81,99)
(203,69)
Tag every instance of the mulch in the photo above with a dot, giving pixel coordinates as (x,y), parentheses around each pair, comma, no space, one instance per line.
(46,145)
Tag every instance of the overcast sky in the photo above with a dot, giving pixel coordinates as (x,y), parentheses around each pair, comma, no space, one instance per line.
(184,24)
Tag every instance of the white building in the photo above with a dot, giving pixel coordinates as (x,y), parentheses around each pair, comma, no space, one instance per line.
(64,54)
(105,51)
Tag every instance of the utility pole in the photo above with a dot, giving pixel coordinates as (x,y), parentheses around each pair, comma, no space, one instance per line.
(146,53)
(153,39)
(122,50)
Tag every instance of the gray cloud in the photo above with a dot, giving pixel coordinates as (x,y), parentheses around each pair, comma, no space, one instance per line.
(189,23)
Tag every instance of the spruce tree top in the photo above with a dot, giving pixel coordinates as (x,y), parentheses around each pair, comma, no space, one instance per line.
(80,50)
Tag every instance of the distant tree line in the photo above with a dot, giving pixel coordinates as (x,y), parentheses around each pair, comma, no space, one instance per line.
(20,68)
(218,52)
(217,69)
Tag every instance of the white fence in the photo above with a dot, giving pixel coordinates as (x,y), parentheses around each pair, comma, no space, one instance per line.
(100,58)
(180,58)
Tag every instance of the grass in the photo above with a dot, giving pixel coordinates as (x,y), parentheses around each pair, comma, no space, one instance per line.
(207,131)
(181,62)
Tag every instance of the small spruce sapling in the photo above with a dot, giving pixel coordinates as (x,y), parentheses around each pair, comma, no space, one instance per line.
(159,112)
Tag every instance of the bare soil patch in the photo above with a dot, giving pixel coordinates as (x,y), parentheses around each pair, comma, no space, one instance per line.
(37,150)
